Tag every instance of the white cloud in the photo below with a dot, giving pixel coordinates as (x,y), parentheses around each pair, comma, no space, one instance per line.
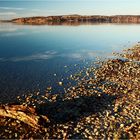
(51,11)
(11,8)
(87,54)
(39,56)
(42,11)
(75,56)
(7,13)
(36,10)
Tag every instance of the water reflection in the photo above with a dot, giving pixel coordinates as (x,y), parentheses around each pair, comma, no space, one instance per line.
(40,56)
(80,55)
(31,55)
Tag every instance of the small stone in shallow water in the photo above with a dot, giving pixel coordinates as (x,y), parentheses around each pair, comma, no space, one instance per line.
(122,125)
(49,88)
(60,83)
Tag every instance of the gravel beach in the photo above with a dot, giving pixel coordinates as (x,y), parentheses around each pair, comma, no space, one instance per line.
(104,104)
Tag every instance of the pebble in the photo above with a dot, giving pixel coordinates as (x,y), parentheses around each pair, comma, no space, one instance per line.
(60,83)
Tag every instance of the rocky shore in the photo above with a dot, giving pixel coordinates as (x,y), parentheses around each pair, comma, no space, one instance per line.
(76,19)
(103,105)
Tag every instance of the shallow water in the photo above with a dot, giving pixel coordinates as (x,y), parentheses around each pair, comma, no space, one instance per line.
(35,57)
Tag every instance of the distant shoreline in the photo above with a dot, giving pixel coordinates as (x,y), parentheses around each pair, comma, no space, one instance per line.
(75,19)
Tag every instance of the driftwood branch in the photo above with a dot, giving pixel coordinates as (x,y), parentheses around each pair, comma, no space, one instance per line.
(21,113)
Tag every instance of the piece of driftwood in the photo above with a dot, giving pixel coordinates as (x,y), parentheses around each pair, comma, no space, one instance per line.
(22,113)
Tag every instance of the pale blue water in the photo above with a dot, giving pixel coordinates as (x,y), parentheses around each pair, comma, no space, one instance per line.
(30,56)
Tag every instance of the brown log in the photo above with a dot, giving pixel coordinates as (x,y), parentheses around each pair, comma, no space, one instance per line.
(22,113)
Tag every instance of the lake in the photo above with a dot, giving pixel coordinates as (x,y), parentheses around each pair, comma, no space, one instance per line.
(33,58)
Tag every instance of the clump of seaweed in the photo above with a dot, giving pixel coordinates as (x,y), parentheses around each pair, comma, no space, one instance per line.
(104,104)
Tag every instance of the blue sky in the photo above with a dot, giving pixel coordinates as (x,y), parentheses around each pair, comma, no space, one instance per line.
(23,8)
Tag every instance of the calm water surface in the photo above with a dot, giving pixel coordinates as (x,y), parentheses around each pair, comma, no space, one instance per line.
(35,57)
